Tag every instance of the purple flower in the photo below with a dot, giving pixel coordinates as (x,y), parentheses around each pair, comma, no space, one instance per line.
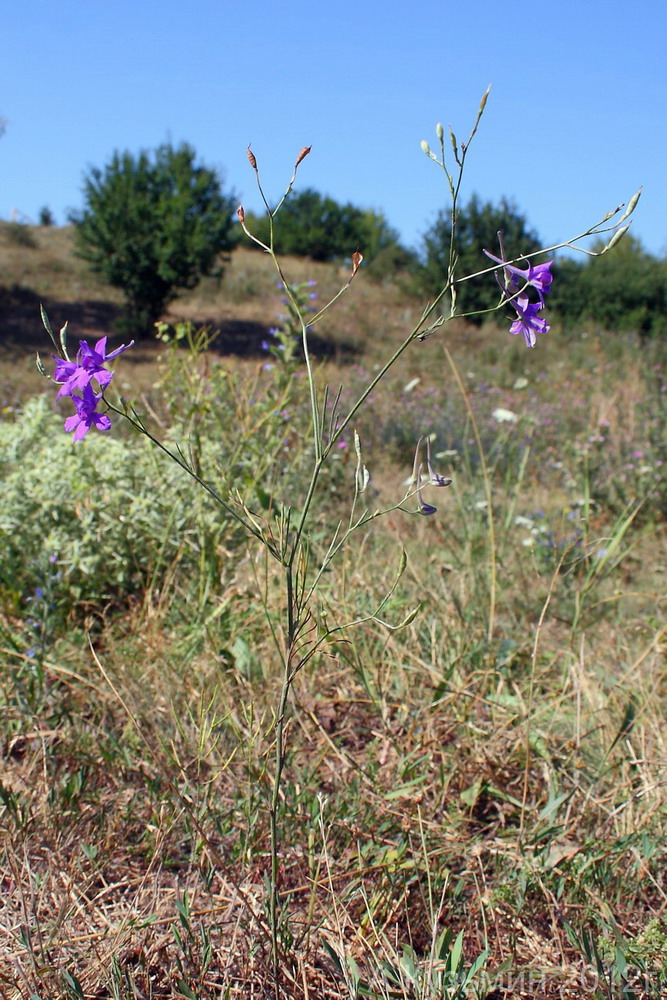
(86,415)
(434,478)
(528,322)
(89,365)
(538,276)
(97,356)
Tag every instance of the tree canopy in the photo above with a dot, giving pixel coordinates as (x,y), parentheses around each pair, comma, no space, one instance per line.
(154,224)
(314,225)
(624,290)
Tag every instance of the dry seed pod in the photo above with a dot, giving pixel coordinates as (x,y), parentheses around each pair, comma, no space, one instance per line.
(303,153)
(241,214)
(251,157)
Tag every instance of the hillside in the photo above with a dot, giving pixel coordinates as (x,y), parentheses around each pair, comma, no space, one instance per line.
(38,264)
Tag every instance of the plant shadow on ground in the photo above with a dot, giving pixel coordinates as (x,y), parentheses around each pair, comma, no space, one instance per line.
(21,326)
(21,329)
(244,338)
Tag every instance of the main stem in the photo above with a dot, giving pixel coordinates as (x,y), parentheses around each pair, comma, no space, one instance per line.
(288,674)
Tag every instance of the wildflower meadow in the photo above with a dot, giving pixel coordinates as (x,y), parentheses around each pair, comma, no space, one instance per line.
(337,669)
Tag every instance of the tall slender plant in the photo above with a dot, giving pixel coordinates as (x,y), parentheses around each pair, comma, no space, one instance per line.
(285,530)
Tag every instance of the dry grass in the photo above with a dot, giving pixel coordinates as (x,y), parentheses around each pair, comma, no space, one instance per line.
(512,786)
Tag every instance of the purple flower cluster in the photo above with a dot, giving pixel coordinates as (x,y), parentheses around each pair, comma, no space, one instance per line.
(79,374)
(518,279)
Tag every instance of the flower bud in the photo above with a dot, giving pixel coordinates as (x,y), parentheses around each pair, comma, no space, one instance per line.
(439,131)
(241,214)
(485,98)
(251,157)
(425,147)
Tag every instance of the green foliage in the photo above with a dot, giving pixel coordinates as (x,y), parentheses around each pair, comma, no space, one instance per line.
(153,225)
(46,217)
(118,514)
(477,227)
(314,225)
(624,290)
(95,508)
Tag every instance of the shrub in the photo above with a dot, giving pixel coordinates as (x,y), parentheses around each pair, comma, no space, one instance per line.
(153,225)
(46,217)
(105,519)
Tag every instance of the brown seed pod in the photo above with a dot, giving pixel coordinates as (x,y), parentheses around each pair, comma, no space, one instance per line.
(303,153)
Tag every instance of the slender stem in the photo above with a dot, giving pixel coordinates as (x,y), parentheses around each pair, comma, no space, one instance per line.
(487,490)
(180,461)
(288,675)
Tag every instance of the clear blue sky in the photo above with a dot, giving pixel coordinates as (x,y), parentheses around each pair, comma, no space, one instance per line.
(576,121)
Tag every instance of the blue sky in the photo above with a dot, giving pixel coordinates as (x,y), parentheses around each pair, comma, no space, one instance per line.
(575,123)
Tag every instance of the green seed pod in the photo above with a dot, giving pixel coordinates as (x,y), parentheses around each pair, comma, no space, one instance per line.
(616,238)
(632,204)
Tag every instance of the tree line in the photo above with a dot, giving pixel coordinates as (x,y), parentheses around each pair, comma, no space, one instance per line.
(155,223)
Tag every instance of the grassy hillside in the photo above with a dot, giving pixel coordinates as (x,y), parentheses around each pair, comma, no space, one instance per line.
(39,264)
(471,805)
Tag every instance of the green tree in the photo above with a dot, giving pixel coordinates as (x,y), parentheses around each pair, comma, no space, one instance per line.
(45,217)
(624,290)
(154,224)
(477,226)
(314,225)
